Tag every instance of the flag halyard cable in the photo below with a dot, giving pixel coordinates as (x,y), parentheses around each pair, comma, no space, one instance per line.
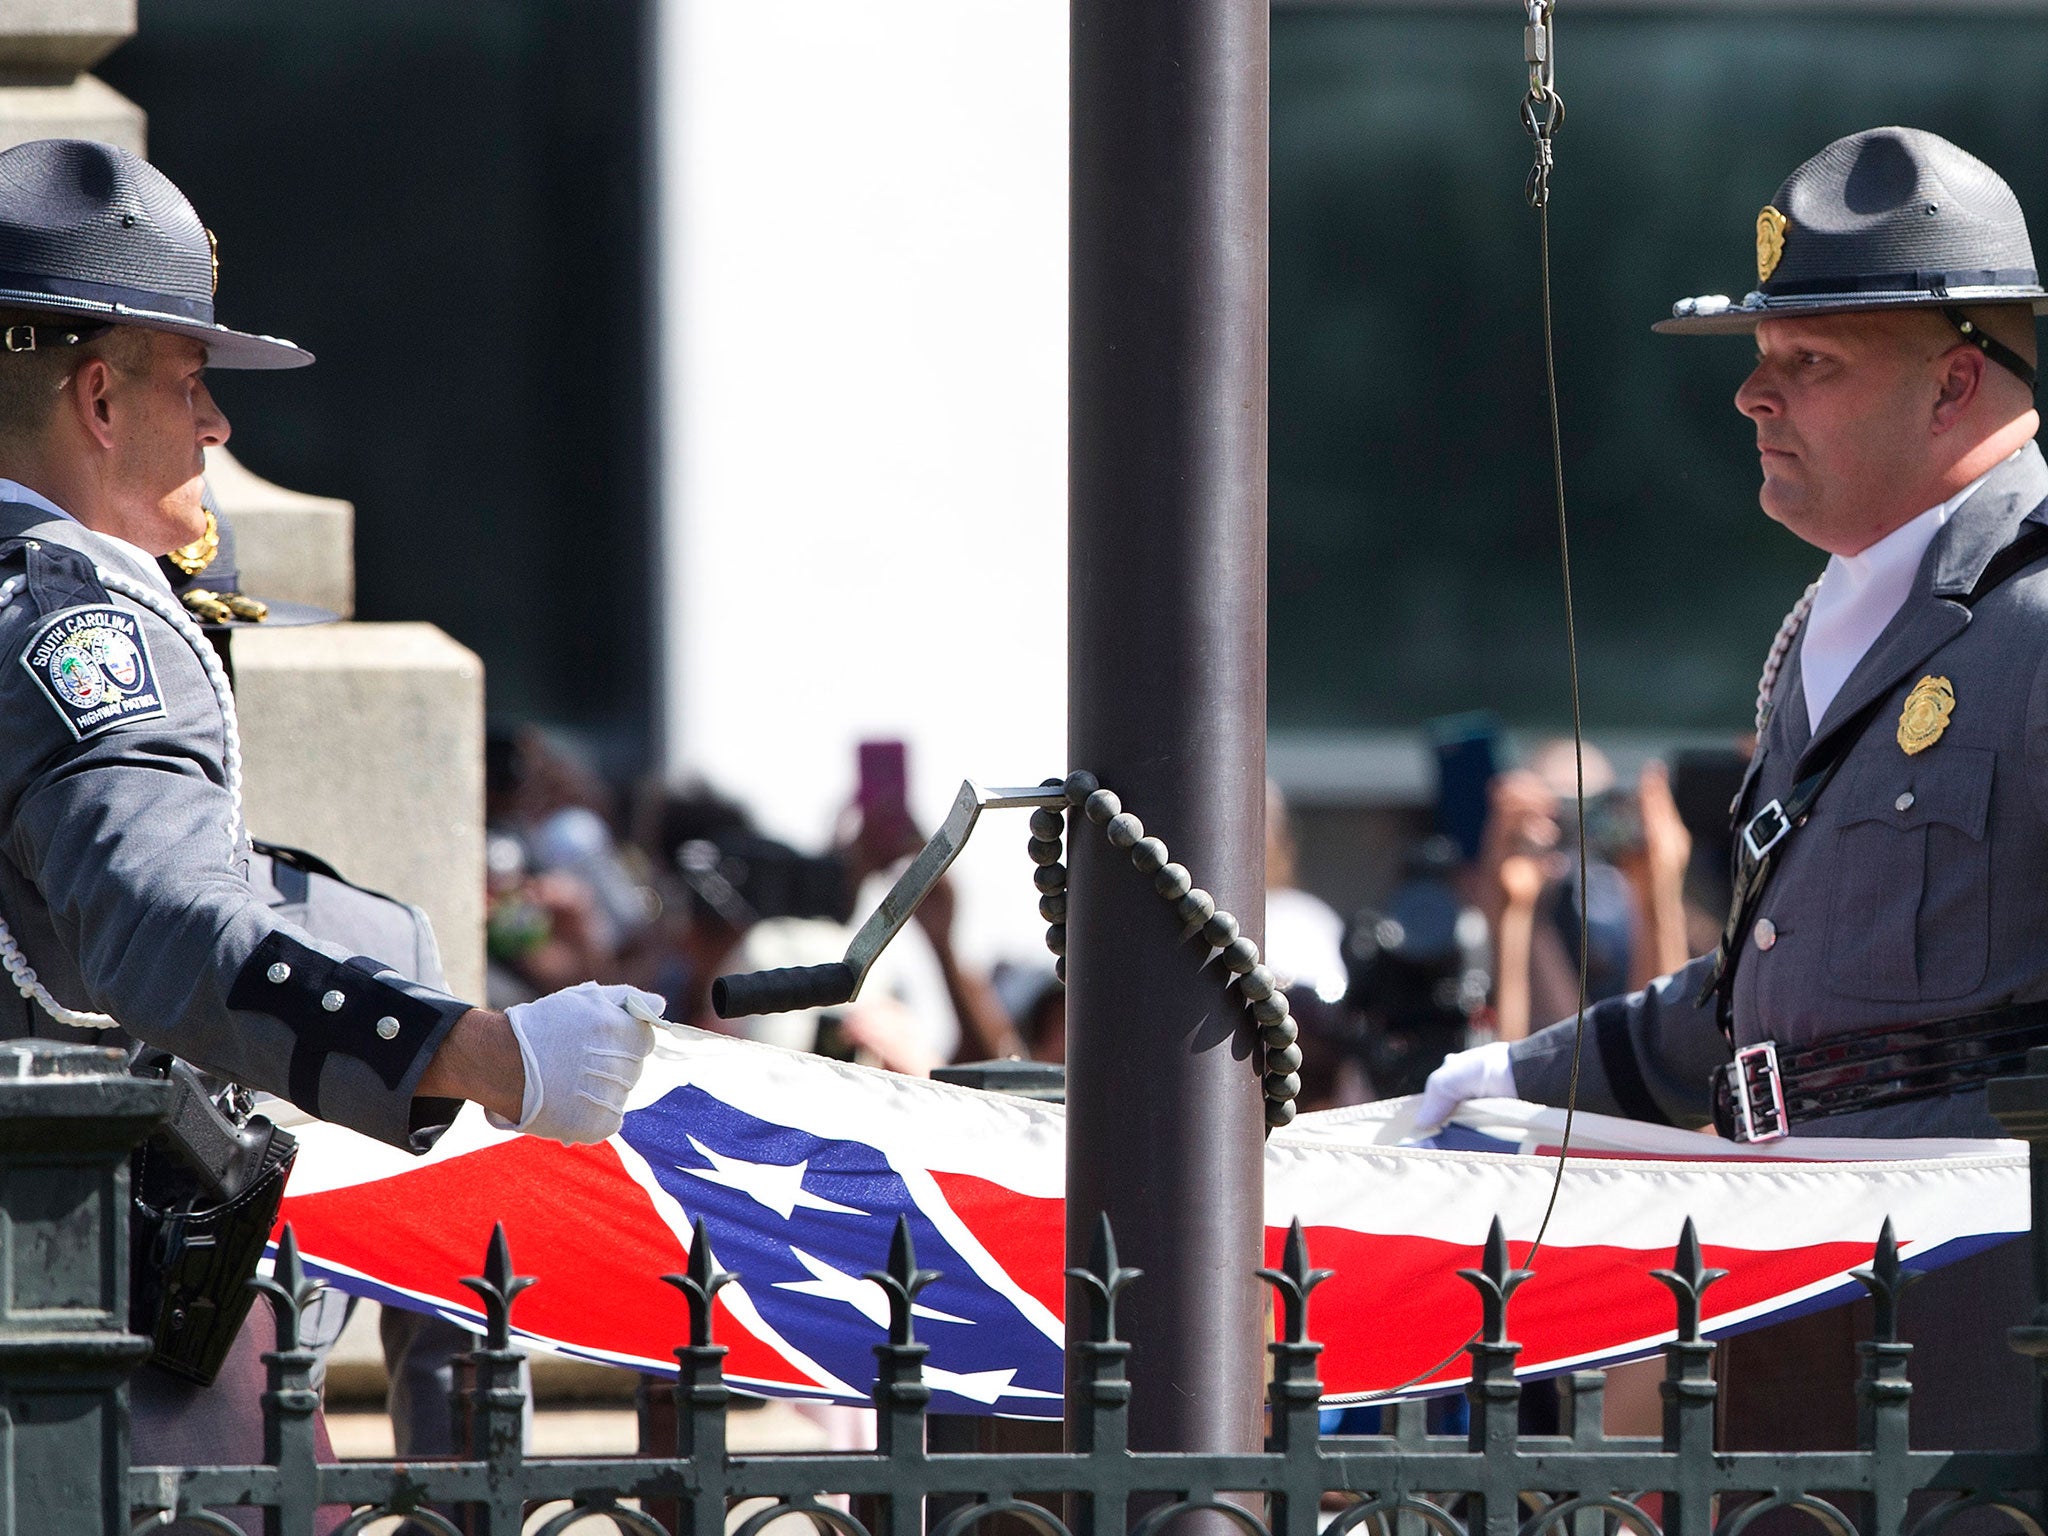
(1542,116)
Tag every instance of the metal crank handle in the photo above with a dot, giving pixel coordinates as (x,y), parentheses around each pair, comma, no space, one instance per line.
(827,986)
(784,990)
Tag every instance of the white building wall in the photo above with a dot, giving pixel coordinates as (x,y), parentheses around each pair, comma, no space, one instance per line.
(863,411)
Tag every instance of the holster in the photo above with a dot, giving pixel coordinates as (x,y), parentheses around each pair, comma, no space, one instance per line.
(192,1256)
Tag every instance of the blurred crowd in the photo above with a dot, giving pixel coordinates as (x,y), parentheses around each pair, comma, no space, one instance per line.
(1480,937)
(1515,904)
(670,888)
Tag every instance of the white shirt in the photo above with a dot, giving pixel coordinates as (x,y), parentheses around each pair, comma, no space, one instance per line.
(1858,597)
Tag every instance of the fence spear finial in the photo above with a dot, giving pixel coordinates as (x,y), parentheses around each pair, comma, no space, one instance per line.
(498,1287)
(901,1281)
(1687,1281)
(1495,1281)
(700,1283)
(1105,1279)
(1886,1280)
(288,1288)
(1292,1282)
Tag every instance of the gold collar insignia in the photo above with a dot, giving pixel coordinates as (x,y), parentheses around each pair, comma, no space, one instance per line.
(198,555)
(1770,242)
(1926,714)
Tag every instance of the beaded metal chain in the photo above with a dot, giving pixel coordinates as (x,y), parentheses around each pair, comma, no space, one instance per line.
(1193,906)
(16,964)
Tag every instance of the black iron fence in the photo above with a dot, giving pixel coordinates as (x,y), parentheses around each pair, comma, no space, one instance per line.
(66,1123)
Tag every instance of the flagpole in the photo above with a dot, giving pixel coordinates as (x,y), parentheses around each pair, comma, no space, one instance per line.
(1167,684)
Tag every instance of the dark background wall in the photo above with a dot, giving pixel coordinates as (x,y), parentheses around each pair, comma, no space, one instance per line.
(1414,562)
(443,200)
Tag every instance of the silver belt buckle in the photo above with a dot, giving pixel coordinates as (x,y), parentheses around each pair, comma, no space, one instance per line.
(1772,835)
(1759,1094)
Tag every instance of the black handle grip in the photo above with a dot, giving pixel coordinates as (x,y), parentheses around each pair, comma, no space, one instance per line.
(797,986)
(225,1157)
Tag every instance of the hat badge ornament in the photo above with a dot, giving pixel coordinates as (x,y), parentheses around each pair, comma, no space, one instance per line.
(1770,241)
(1926,714)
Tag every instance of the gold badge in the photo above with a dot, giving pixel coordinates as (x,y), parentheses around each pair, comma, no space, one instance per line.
(1770,242)
(213,255)
(1925,716)
(198,555)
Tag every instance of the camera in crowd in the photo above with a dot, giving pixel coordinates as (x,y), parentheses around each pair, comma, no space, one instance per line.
(1417,973)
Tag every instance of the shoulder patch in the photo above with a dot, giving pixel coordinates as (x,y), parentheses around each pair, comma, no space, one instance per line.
(92,663)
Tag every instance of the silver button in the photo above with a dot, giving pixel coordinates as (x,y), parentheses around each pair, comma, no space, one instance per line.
(387,1028)
(1904,802)
(332,1001)
(1766,933)
(279,974)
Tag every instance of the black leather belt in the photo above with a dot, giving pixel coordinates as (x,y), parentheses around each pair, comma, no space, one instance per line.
(1766,1090)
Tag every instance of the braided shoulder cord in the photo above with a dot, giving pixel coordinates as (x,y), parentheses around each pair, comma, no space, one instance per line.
(12,959)
(1781,647)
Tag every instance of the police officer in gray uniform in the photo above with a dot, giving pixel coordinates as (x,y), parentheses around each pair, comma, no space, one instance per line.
(1888,947)
(124,891)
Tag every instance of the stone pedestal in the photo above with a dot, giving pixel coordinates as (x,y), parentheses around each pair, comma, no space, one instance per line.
(45,47)
(362,743)
(287,544)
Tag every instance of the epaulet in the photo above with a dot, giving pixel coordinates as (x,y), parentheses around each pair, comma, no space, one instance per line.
(2022,552)
(59,577)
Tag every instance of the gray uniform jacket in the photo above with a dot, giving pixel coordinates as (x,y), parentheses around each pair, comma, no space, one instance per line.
(125,873)
(1916,891)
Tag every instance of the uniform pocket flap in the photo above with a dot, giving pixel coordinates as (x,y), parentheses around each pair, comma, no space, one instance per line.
(1949,785)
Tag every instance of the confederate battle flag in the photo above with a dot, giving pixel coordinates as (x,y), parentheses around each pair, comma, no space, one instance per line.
(799,1168)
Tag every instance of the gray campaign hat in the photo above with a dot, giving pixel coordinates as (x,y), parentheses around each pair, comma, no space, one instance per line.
(1891,218)
(95,236)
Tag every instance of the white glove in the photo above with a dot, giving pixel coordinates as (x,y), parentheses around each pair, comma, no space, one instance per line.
(1483,1072)
(583,1053)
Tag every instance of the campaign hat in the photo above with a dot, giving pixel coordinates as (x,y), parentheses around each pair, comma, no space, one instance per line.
(92,236)
(1890,218)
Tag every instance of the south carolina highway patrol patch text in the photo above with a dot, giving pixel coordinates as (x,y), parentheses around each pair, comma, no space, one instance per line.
(93,665)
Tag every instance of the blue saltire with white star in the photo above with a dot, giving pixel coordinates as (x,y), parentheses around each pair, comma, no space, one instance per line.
(802,1218)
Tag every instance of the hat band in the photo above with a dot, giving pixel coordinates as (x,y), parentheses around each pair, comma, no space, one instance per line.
(1936,283)
(28,286)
